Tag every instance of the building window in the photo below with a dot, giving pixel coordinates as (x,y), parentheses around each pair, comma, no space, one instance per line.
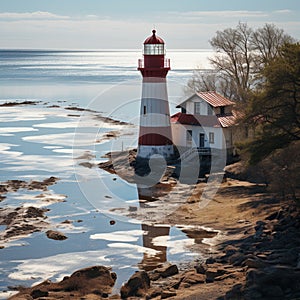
(197,108)
(189,138)
(144,110)
(209,110)
(222,110)
(211,137)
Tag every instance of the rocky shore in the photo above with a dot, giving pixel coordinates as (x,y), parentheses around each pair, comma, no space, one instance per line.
(22,220)
(255,257)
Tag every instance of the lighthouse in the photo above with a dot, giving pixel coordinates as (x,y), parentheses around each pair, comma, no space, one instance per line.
(155,135)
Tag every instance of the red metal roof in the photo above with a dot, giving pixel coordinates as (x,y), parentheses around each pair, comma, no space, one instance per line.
(227,120)
(188,119)
(206,121)
(153,39)
(214,99)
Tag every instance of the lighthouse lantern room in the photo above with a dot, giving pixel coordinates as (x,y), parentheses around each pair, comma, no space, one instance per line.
(155,130)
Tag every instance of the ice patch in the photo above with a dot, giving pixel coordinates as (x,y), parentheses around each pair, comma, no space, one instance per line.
(137,248)
(120,236)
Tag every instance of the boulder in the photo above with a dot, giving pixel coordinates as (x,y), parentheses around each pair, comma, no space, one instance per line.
(166,270)
(56,235)
(137,285)
(96,280)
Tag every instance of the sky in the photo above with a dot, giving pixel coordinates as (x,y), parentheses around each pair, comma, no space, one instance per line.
(124,24)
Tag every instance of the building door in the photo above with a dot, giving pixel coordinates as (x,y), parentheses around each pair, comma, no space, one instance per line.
(201,140)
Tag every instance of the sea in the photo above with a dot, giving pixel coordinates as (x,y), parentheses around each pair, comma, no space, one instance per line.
(61,133)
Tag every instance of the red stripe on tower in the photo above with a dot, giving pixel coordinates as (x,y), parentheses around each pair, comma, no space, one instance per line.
(155,130)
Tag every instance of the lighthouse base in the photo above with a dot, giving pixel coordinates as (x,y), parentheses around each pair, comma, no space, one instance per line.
(147,151)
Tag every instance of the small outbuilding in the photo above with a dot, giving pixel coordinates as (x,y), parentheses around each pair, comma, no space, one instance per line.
(206,121)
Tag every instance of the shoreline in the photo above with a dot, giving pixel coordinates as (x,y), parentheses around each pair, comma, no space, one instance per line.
(227,268)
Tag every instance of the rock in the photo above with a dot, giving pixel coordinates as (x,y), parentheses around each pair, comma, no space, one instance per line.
(286,278)
(235,292)
(201,269)
(34,212)
(137,285)
(175,283)
(38,293)
(154,276)
(210,261)
(273,216)
(236,259)
(230,250)
(56,235)
(153,292)
(167,294)
(132,208)
(167,270)
(96,280)
(86,164)
(191,277)
(93,272)
(214,272)
(254,263)
(259,225)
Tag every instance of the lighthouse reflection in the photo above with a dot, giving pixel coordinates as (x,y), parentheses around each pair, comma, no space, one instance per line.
(150,261)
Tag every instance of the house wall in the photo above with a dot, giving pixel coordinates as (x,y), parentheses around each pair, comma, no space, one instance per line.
(179,135)
(190,109)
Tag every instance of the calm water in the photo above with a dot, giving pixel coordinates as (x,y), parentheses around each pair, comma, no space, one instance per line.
(80,76)
(38,141)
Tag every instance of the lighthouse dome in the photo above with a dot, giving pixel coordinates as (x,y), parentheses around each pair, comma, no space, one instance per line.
(153,39)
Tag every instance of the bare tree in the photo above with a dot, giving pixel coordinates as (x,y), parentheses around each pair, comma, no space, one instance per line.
(241,53)
(266,43)
(210,80)
(235,58)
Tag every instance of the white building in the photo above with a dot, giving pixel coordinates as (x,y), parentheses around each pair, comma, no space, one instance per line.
(205,122)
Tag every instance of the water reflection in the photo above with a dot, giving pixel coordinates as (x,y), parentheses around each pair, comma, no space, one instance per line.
(151,262)
(161,238)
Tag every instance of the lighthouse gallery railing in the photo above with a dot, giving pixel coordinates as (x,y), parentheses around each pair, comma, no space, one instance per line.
(166,63)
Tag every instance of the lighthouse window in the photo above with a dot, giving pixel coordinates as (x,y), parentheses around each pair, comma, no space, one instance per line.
(154,49)
(145,110)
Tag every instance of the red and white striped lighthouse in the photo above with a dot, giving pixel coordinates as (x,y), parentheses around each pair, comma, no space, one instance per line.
(155,135)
